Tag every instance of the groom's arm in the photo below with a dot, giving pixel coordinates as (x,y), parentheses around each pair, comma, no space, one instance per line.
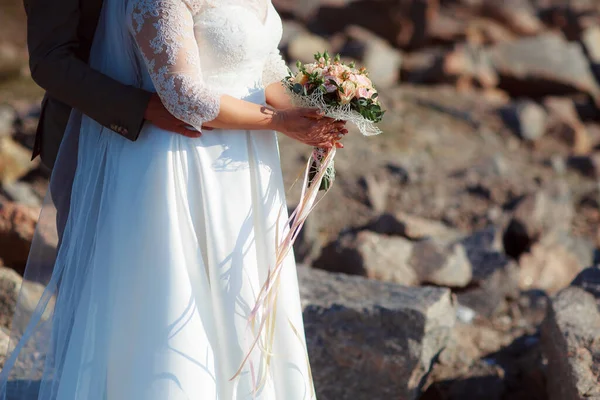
(57,66)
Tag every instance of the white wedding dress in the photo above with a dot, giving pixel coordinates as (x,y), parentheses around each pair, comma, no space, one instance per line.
(174,236)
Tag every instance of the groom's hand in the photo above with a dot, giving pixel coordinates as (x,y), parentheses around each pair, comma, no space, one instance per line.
(158,115)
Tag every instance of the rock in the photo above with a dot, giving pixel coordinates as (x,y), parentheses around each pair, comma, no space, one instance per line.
(11,60)
(371,255)
(14,160)
(7,120)
(448,29)
(466,64)
(588,166)
(22,193)
(304,46)
(591,42)
(404,23)
(291,29)
(10,284)
(517,15)
(395,259)
(398,173)
(541,213)
(471,63)
(27,294)
(488,239)
(423,67)
(572,18)
(4,343)
(564,123)
(412,227)
(572,345)
(486,31)
(308,242)
(369,339)
(441,265)
(549,267)
(589,280)
(495,277)
(381,60)
(583,249)
(481,362)
(543,65)
(485,382)
(593,130)
(377,192)
(17,227)
(526,118)
(417,17)
(465,314)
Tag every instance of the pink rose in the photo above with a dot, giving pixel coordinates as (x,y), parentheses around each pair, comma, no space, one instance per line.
(361,81)
(364,93)
(336,70)
(364,82)
(328,85)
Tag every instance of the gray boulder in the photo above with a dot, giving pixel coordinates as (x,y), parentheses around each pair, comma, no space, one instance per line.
(546,64)
(396,259)
(495,276)
(571,341)
(369,339)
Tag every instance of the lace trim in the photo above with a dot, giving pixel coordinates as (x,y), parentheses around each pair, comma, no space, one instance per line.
(275,69)
(164,32)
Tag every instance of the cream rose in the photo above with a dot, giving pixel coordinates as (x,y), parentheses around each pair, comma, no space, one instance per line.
(301,78)
(349,88)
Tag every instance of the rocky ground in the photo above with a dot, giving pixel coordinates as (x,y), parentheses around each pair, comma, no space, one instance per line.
(454,257)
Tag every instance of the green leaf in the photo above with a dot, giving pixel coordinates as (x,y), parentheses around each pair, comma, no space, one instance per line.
(298,88)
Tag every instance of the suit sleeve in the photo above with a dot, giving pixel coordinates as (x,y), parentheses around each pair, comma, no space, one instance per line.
(55,66)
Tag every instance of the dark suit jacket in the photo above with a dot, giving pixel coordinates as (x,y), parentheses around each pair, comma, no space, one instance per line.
(59,38)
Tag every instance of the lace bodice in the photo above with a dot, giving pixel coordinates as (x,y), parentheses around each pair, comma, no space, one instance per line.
(198,50)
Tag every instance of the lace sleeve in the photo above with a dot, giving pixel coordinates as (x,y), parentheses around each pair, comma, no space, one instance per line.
(164,33)
(275,69)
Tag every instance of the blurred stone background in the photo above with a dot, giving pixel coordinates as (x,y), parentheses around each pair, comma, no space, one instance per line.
(455,256)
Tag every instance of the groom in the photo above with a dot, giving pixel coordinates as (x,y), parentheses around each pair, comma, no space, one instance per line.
(60,35)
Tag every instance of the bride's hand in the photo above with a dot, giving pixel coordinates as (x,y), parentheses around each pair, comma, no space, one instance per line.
(309,126)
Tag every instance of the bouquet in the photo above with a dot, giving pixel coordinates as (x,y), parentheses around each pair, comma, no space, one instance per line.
(343,93)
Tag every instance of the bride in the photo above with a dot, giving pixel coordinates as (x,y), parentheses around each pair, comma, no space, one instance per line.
(169,239)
